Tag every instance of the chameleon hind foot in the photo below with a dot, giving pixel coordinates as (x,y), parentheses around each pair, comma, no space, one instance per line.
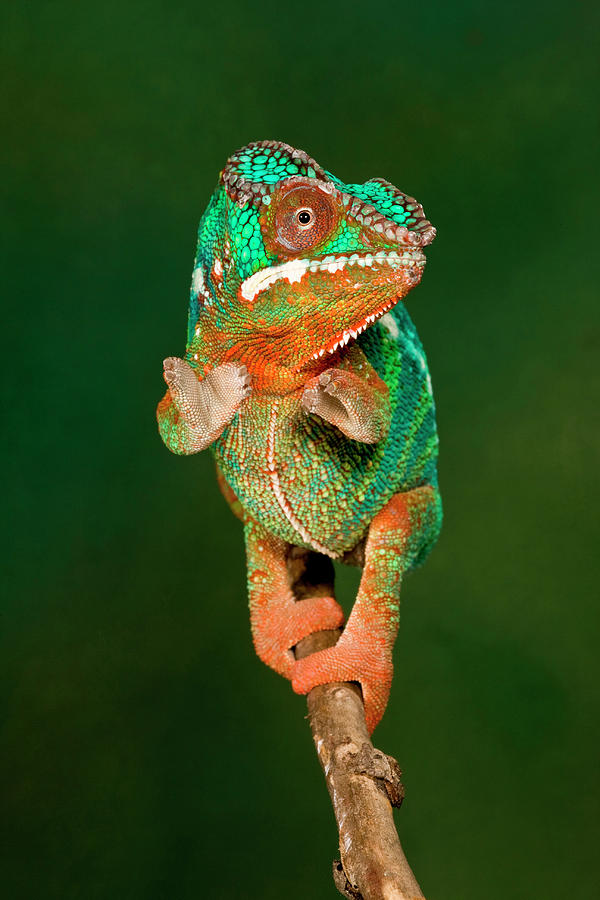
(397,536)
(279,625)
(363,661)
(277,620)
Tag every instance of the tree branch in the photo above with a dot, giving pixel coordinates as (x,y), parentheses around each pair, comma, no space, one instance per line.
(363,782)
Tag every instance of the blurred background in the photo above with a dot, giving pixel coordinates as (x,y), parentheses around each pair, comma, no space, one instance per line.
(146,752)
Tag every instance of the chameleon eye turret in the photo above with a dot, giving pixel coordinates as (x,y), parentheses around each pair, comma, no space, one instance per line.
(305,375)
(299,218)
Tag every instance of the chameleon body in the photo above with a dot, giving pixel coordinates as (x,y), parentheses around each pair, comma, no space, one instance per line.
(305,374)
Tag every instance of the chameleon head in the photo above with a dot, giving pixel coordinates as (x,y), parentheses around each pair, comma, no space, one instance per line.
(293,264)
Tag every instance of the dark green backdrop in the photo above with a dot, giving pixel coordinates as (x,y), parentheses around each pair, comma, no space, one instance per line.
(146,752)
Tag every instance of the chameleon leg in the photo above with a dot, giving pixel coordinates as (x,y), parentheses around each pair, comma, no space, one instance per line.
(194,411)
(397,537)
(277,620)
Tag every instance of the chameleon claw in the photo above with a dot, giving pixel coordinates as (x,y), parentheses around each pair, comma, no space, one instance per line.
(246,380)
(170,369)
(309,399)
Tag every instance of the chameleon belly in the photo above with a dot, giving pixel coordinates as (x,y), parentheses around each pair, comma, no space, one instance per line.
(309,484)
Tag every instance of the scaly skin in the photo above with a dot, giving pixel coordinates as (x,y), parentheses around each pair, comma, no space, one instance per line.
(306,375)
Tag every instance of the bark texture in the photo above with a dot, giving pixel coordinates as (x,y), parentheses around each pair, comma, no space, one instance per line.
(364,783)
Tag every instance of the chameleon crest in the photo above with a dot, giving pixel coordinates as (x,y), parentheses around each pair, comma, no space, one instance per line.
(304,372)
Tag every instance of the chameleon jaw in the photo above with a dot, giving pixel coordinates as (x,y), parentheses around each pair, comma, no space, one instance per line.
(412,264)
(350,334)
(294,270)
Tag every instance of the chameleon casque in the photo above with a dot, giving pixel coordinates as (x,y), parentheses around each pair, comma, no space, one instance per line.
(305,374)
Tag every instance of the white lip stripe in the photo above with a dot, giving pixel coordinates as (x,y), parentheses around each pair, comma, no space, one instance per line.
(295,269)
(277,491)
(260,281)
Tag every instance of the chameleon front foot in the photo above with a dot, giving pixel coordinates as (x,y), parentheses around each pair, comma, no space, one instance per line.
(358,406)
(351,659)
(196,409)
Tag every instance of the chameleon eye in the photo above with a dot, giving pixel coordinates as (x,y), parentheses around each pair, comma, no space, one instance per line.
(302,216)
(305,217)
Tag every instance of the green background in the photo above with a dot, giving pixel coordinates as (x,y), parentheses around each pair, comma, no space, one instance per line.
(146,752)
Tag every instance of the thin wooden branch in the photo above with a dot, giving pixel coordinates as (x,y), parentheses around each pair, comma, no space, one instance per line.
(363,782)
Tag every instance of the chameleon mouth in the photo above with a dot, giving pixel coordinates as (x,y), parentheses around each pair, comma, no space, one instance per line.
(350,334)
(411,263)
(294,270)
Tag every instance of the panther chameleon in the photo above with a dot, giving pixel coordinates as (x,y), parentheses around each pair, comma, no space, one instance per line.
(305,374)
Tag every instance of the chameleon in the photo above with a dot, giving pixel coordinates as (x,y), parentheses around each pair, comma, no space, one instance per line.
(305,375)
